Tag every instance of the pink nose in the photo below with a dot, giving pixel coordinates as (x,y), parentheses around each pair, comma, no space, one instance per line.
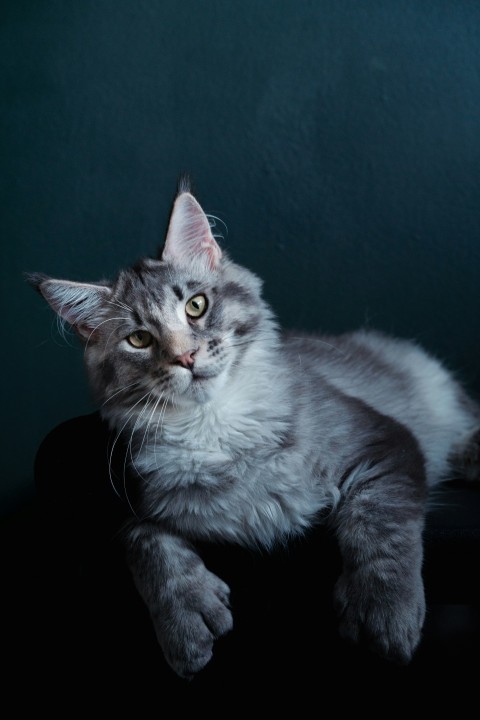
(185,359)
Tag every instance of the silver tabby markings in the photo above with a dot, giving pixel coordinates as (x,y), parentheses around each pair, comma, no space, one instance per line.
(240,432)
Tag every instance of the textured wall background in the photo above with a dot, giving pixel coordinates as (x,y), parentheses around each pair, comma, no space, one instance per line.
(339,141)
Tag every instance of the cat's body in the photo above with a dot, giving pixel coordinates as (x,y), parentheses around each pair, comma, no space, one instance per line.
(236,432)
(248,467)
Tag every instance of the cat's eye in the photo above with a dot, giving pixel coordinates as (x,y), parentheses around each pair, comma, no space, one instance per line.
(140,339)
(196,306)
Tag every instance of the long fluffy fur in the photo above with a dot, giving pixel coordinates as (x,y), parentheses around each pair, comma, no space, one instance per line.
(259,436)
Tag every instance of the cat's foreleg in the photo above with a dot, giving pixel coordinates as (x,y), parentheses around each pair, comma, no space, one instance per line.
(188,604)
(380,595)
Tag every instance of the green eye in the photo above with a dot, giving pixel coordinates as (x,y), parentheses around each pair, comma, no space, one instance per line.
(196,306)
(140,339)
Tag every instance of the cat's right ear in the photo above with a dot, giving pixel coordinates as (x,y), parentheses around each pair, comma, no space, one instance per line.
(189,236)
(82,305)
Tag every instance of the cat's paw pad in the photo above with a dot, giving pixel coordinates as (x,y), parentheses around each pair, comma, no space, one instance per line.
(190,622)
(390,625)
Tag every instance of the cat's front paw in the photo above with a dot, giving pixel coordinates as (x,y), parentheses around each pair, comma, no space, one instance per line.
(390,622)
(190,619)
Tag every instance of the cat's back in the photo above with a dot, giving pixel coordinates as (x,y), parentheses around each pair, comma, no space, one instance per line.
(395,377)
(366,363)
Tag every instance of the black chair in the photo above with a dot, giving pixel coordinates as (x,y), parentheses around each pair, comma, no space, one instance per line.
(285,635)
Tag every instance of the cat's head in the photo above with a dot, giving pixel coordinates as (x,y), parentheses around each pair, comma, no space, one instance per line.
(173,328)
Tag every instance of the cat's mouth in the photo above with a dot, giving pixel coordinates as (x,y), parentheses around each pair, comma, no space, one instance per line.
(202,385)
(196,376)
(197,384)
(203,374)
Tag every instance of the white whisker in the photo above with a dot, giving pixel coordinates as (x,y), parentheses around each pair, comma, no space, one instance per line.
(108,339)
(121,305)
(129,415)
(137,382)
(212,221)
(148,426)
(129,446)
(159,423)
(102,323)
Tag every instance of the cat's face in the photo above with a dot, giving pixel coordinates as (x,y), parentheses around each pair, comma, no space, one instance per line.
(172,332)
(167,330)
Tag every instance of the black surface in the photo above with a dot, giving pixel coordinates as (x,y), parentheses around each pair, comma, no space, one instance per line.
(73,622)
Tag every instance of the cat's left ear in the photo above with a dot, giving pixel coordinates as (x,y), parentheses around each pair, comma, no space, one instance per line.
(83,305)
(189,236)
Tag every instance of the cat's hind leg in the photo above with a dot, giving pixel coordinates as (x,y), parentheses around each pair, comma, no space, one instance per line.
(379,522)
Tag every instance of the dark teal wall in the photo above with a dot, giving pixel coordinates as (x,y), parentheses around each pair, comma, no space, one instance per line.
(339,141)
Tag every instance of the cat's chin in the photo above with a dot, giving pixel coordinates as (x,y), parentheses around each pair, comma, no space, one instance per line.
(202,389)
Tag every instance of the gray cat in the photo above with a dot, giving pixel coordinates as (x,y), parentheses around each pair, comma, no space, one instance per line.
(244,434)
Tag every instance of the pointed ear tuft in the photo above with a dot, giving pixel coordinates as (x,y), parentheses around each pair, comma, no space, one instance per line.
(189,236)
(35,279)
(82,305)
(184,184)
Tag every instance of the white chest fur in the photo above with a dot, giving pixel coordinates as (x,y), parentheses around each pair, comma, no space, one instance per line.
(219,472)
